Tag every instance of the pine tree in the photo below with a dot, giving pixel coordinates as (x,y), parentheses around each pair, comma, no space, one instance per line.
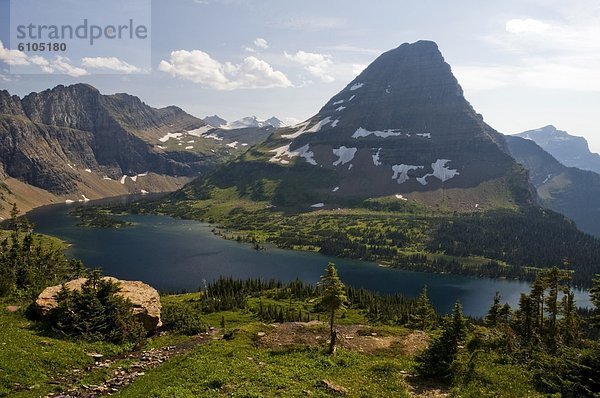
(333,297)
(538,290)
(437,359)
(554,279)
(424,316)
(491,319)
(570,322)
(526,318)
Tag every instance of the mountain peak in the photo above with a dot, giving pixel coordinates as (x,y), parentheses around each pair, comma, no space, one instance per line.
(570,150)
(253,121)
(275,122)
(215,121)
(401,126)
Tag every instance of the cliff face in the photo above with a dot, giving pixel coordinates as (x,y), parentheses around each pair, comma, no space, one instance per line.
(74,140)
(48,138)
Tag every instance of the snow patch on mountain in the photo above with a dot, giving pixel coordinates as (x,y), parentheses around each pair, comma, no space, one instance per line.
(199,132)
(284,151)
(168,136)
(317,127)
(362,132)
(356,86)
(440,171)
(375,157)
(344,154)
(401,171)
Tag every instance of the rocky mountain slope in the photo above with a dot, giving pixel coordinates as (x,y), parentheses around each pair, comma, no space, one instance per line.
(570,150)
(567,190)
(73,143)
(401,128)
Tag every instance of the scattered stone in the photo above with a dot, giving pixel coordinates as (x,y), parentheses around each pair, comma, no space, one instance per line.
(261,334)
(12,308)
(332,387)
(121,376)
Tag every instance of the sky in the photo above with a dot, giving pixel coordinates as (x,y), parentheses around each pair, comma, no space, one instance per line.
(523,64)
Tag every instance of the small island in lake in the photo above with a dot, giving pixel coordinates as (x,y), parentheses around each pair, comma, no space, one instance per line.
(94,216)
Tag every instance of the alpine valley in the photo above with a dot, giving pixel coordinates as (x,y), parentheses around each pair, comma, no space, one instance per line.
(396,168)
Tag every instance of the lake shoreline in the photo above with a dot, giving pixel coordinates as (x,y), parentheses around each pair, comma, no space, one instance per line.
(173,254)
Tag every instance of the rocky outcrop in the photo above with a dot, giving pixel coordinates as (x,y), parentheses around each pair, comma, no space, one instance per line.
(145,299)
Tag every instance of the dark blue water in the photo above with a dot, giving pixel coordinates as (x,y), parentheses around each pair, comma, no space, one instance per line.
(173,254)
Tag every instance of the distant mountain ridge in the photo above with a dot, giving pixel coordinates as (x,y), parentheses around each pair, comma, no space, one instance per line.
(74,142)
(567,190)
(570,150)
(253,121)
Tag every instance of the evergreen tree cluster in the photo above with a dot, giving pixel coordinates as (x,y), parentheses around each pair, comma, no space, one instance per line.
(96,313)
(226,294)
(545,333)
(438,359)
(29,263)
(530,237)
(270,313)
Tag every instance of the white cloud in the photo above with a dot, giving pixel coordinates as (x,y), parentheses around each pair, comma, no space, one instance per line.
(249,49)
(541,54)
(261,43)
(526,26)
(314,63)
(59,64)
(111,63)
(12,57)
(198,67)
(63,65)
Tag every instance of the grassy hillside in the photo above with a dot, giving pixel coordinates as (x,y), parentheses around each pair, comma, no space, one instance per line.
(249,356)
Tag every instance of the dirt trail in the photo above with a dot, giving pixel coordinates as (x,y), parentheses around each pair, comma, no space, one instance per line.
(121,376)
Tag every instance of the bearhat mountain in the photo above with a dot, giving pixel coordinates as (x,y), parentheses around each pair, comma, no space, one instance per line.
(403,128)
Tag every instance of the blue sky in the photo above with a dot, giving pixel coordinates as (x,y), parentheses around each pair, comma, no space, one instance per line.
(523,64)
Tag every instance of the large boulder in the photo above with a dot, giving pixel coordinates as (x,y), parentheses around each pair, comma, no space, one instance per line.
(145,299)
